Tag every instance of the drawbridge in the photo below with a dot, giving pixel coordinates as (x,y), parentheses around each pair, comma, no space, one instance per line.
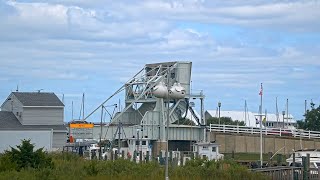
(146,114)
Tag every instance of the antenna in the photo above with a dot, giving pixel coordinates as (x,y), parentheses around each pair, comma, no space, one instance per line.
(17,90)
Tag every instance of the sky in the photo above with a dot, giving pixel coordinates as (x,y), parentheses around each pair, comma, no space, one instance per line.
(72,47)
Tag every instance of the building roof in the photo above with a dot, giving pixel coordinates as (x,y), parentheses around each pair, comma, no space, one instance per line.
(9,121)
(250,120)
(38,99)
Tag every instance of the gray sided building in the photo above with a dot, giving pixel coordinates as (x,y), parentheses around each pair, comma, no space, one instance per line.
(33,115)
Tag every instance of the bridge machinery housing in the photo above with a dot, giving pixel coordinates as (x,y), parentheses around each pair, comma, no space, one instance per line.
(144,116)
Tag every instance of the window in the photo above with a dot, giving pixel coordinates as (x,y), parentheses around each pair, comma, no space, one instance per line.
(214,149)
(144,143)
(137,142)
(204,147)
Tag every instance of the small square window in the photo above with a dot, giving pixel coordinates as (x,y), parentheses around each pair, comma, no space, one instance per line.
(144,143)
(214,149)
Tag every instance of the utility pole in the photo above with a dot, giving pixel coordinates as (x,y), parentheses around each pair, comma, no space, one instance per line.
(283,113)
(261,157)
(305,109)
(167,132)
(100,144)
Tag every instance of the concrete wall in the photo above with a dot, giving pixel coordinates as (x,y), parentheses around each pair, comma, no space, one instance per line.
(40,138)
(42,116)
(240,143)
(59,140)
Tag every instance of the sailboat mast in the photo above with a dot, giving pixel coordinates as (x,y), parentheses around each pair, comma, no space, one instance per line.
(277,112)
(83,106)
(287,113)
(245,111)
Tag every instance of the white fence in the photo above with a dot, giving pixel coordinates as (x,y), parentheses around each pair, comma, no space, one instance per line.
(265,131)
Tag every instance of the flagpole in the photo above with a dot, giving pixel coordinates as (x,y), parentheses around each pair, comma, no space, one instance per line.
(261,159)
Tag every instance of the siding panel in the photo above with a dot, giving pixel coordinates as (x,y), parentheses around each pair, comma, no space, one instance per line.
(42,116)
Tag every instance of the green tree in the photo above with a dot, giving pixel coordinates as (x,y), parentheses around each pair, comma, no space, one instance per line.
(25,156)
(185,121)
(224,120)
(312,119)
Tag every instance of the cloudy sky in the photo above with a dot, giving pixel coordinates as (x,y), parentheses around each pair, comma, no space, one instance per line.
(75,46)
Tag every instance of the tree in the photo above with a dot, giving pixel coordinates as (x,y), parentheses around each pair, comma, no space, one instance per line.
(24,156)
(185,121)
(312,119)
(224,120)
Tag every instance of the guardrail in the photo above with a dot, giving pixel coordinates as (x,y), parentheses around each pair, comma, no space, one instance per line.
(265,131)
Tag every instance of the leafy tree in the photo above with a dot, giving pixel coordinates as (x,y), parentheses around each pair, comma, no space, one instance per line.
(224,120)
(312,119)
(24,156)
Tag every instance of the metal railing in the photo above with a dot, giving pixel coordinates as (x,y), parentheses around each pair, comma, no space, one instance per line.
(265,131)
(294,173)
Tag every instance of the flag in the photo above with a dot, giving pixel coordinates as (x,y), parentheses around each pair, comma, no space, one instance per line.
(261,90)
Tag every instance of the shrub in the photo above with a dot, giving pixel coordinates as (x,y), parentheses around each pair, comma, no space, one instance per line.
(24,156)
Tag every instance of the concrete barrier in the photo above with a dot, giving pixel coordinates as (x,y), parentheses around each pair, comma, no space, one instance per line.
(250,143)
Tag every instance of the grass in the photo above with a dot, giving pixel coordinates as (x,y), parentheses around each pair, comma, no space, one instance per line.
(255,157)
(68,166)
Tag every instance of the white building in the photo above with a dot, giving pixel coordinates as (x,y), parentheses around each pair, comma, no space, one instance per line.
(36,116)
(252,120)
(208,150)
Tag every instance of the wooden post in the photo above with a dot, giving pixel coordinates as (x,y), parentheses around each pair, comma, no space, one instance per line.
(308,166)
(140,157)
(181,159)
(147,158)
(116,155)
(112,154)
(135,156)
(269,159)
(304,164)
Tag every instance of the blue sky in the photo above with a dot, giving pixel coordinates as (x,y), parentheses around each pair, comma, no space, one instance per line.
(75,46)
